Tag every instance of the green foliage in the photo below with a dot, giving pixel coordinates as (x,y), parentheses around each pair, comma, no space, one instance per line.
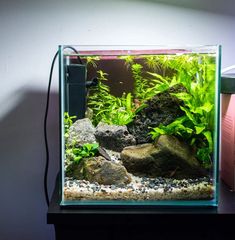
(154,83)
(195,72)
(144,88)
(68,121)
(121,112)
(204,155)
(196,126)
(100,99)
(158,84)
(153,62)
(178,127)
(108,108)
(147,87)
(91,60)
(84,151)
(129,60)
(140,84)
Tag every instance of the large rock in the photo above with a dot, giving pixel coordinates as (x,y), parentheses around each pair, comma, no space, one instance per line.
(82,131)
(140,159)
(100,170)
(177,149)
(113,137)
(167,158)
(163,108)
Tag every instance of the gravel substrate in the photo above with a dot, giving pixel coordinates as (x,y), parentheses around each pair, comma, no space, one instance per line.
(141,189)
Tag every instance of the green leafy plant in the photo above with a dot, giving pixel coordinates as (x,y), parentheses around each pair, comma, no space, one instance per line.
(121,112)
(91,60)
(85,151)
(175,128)
(158,84)
(153,83)
(152,62)
(68,121)
(100,99)
(147,84)
(196,126)
(140,83)
(129,60)
(108,108)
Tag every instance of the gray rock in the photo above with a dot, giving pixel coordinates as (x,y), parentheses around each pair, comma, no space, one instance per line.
(82,131)
(100,170)
(113,137)
(168,157)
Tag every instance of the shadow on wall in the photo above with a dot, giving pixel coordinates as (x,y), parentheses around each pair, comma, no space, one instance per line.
(220,7)
(22,161)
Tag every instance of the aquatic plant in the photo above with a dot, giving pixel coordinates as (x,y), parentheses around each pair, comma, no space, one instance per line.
(86,150)
(159,84)
(121,112)
(100,99)
(153,62)
(147,84)
(109,108)
(129,60)
(68,121)
(91,60)
(197,125)
(140,83)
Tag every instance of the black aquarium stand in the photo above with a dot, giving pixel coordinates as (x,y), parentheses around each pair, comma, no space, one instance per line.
(155,223)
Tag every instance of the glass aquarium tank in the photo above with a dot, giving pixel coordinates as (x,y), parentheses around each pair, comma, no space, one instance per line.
(139,125)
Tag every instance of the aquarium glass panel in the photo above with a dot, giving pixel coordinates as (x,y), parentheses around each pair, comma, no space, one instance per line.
(139,125)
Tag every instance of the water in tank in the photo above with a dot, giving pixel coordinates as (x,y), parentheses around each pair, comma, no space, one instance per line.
(139,125)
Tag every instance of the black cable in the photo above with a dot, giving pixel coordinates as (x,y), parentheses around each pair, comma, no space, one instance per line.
(45,129)
(45,120)
(72,48)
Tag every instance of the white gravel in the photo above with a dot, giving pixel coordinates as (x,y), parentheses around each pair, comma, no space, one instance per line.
(141,189)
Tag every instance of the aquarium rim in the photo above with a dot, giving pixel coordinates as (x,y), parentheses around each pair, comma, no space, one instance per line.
(217,119)
(149,49)
(131,204)
(61,120)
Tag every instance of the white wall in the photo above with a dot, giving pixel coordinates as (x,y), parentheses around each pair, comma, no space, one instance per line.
(30,32)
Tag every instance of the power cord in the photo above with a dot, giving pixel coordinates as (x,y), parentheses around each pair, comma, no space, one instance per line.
(45,129)
(45,120)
